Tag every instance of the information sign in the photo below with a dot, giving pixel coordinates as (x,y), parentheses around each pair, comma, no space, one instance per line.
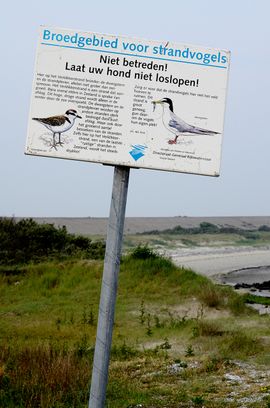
(128,102)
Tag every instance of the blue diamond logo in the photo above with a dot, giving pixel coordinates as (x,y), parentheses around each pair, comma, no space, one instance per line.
(137,151)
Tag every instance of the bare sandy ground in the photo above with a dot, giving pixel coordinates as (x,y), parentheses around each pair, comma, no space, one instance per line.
(214,262)
(229,265)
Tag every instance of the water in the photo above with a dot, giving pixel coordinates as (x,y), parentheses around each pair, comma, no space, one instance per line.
(249,276)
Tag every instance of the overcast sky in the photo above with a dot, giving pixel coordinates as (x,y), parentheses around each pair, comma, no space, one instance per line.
(35,186)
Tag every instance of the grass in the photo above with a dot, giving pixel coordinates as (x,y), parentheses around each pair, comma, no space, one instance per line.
(168,240)
(250,298)
(166,317)
(44,376)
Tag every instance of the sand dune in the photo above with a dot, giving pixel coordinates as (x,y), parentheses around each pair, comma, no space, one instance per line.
(133,225)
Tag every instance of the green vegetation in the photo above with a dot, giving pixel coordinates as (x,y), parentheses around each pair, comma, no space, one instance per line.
(208,228)
(176,335)
(261,300)
(207,234)
(27,241)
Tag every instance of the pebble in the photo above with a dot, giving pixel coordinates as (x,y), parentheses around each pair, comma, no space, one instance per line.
(233,377)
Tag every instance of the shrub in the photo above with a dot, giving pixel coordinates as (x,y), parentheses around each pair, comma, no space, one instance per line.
(208,228)
(264,228)
(143,252)
(27,241)
(198,400)
(250,235)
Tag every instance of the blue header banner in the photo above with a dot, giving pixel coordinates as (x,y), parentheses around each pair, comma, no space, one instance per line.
(146,49)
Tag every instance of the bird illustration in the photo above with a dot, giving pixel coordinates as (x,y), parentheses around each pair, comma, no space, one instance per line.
(59,124)
(177,125)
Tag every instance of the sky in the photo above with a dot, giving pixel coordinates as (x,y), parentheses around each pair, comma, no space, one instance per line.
(43,187)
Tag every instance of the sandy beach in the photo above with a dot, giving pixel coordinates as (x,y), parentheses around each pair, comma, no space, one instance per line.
(230,266)
(214,262)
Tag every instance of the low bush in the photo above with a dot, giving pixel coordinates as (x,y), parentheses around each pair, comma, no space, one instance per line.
(27,241)
(143,252)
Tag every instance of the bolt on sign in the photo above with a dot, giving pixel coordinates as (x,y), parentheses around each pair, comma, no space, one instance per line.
(128,102)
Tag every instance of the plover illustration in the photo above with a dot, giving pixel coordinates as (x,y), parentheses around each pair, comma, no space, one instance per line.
(59,124)
(177,125)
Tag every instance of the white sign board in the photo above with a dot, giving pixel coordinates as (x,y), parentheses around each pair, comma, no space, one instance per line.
(125,101)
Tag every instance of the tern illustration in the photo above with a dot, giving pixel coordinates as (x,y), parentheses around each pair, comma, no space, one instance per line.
(176,125)
(59,124)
